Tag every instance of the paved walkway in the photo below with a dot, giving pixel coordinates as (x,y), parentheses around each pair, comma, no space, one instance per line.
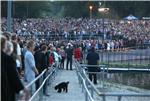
(74,91)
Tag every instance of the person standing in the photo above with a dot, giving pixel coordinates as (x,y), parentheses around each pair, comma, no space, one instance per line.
(63,55)
(18,51)
(77,53)
(69,52)
(43,64)
(14,55)
(37,63)
(30,68)
(10,82)
(92,59)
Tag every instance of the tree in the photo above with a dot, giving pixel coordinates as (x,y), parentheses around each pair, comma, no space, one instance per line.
(118,9)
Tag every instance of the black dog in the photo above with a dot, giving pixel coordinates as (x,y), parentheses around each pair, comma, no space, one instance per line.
(63,86)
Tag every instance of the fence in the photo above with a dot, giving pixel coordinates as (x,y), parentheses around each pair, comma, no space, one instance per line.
(105,96)
(84,83)
(139,58)
(38,94)
(62,37)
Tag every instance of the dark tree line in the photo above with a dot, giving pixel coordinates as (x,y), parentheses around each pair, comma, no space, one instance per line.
(118,9)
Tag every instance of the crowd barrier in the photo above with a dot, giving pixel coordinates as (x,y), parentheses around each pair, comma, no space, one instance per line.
(85,82)
(104,96)
(38,94)
(136,58)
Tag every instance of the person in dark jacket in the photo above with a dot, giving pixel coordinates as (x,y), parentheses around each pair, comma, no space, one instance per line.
(10,82)
(93,59)
(37,63)
(69,52)
(42,61)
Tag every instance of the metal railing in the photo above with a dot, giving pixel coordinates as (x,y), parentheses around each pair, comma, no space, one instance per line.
(138,58)
(40,88)
(38,94)
(86,84)
(82,82)
(54,36)
(119,96)
(88,96)
(106,96)
(38,77)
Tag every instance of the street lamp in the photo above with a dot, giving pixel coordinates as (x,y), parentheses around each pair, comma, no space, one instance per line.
(103,10)
(90,7)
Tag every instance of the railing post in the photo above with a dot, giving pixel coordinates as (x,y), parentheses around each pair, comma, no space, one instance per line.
(107,56)
(80,80)
(40,95)
(140,58)
(128,60)
(121,56)
(92,93)
(102,56)
(119,98)
(86,96)
(103,77)
(104,98)
(149,63)
(42,79)
(82,85)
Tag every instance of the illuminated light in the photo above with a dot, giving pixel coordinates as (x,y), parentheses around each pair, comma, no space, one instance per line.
(103,9)
(91,7)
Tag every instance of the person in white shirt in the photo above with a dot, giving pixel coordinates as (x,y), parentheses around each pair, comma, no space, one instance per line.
(112,45)
(57,57)
(19,61)
(108,46)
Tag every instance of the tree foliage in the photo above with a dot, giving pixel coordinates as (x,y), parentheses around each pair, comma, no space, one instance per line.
(118,9)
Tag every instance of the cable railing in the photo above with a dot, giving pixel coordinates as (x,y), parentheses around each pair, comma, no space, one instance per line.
(120,96)
(86,83)
(38,77)
(44,81)
(39,89)
(106,96)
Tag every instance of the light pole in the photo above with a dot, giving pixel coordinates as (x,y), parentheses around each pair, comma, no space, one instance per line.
(103,10)
(9,7)
(90,7)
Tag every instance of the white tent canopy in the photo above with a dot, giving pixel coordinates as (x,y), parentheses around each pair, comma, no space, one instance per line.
(130,17)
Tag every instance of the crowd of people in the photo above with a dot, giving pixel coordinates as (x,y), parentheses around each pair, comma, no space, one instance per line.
(10,55)
(30,54)
(29,60)
(128,32)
